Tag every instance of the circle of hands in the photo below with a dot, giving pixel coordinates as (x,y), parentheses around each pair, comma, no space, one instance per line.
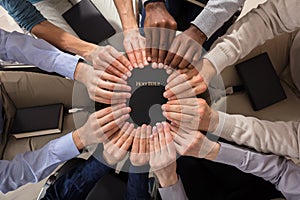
(187,115)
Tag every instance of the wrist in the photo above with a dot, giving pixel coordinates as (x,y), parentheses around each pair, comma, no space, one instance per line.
(77,140)
(167,181)
(150,5)
(213,154)
(207,70)
(199,35)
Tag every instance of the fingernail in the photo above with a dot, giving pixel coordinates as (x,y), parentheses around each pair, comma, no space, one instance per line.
(149,59)
(128,74)
(146,63)
(163,107)
(128,95)
(124,77)
(135,65)
(130,68)
(154,65)
(160,65)
(166,94)
(164,114)
(141,65)
(169,71)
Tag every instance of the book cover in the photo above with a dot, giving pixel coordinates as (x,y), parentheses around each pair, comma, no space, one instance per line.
(88,22)
(261,81)
(39,120)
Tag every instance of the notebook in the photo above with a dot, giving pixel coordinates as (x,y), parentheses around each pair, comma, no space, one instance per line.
(261,81)
(88,22)
(39,120)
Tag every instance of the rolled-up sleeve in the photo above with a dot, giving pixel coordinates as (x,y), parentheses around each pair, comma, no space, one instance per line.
(23,12)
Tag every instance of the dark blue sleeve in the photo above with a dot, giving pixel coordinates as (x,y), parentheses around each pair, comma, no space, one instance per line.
(23,12)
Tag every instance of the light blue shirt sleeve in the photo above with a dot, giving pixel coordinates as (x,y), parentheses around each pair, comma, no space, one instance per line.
(23,12)
(36,165)
(25,49)
(215,14)
(283,173)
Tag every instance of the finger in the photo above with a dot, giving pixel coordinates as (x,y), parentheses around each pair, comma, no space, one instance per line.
(109,77)
(155,46)
(138,53)
(115,113)
(148,43)
(136,141)
(130,53)
(113,96)
(172,52)
(142,43)
(114,86)
(108,110)
(125,135)
(148,134)
(161,135)
(143,139)
(124,64)
(156,141)
(169,139)
(185,102)
(116,137)
(126,145)
(116,123)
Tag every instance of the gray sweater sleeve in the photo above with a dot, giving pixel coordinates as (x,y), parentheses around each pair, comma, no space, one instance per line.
(283,173)
(281,138)
(215,13)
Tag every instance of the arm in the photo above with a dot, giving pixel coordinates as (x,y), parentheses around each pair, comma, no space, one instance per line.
(126,14)
(25,49)
(281,138)
(27,16)
(270,19)
(214,14)
(284,174)
(36,165)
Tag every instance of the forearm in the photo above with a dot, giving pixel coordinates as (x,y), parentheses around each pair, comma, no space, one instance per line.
(126,14)
(35,165)
(281,138)
(63,40)
(282,173)
(270,19)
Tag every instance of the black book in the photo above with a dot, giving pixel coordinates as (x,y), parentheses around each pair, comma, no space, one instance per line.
(261,81)
(88,22)
(39,120)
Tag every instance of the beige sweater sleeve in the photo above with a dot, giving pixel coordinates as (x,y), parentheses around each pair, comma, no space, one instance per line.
(268,20)
(280,138)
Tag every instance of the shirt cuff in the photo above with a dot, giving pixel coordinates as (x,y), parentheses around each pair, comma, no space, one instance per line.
(231,155)
(206,21)
(218,57)
(226,126)
(65,148)
(66,64)
(173,192)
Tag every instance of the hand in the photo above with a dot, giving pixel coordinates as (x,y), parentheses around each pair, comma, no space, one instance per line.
(112,61)
(184,83)
(139,155)
(194,143)
(186,49)
(163,155)
(102,87)
(135,47)
(117,146)
(162,33)
(192,113)
(101,125)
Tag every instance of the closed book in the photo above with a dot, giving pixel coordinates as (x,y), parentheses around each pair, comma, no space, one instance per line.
(261,81)
(88,22)
(39,120)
